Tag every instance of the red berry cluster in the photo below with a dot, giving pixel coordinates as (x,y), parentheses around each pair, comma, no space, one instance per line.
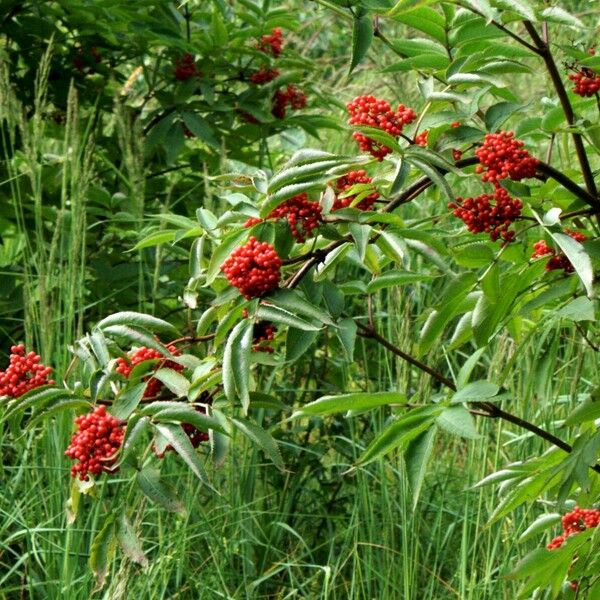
(252,221)
(302,214)
(503,156)
(247,117)
(154,386)
(456,153)
(575,522)
(368,110)
(253,268)
(264,331)
(197,436)
(421,139)
(98,438)
(557,260)
(264,75)
(480,216)
(24,372)
(541,249)
(282,97)
(185,68)
(587,83)
(85,62)
(346,182)
(271,43)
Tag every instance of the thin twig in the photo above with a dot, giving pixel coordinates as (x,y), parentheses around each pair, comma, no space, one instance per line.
(417,188)
(544,171)
(546,54)
(370,312)
(486,409)
(585,336)
(194,338)
(568,184)
(369,332)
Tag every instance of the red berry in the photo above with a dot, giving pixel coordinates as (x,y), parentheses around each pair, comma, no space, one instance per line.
(481,216)
(302,215)
(271,44)
(253,268)
(346,182)
(263,76)
(263,331)
(252,221)
(85,61)
(24,372)
(282,97)
(578,520)
(185,68)
(541,248)
(557,260)
(587,83)
(154,386)
(247,117)
(421,139)
(95,444)
(196,436)
(368,110)
(502,156)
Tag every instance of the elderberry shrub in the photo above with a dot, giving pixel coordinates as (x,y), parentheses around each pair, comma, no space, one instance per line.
(253,268)
(25,372)
(368,110)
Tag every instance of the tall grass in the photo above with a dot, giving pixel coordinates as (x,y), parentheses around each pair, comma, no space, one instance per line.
(52,231)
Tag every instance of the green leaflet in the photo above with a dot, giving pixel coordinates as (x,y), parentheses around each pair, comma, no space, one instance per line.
(328,405)
(362,36)
(157,490)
